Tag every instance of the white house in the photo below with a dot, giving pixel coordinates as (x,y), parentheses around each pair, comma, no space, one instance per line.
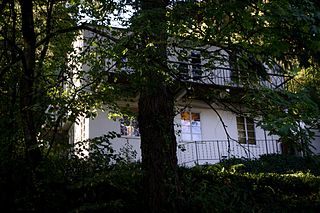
(206,133)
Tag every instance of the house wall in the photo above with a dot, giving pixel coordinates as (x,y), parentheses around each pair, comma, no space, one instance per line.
(316,143)
(101,125)
(212,128)
(215,144)
(79,131)
(213,137)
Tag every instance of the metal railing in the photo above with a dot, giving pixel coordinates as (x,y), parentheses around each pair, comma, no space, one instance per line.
(208,151)
(225,76)
(213,151)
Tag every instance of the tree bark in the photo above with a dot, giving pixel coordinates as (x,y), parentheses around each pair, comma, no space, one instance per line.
(156,117)
(158,146)
(27,83)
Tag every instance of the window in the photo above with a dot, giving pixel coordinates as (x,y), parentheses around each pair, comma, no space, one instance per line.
(129,127)
(190,126)
(183,70)
(196,64)
(234,68)
(246,132)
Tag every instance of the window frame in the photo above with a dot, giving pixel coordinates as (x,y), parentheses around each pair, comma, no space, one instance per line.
(246,130)
(190,128)
(132,124)
(196,64)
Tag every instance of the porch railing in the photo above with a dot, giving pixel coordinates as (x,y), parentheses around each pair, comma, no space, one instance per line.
(213,151)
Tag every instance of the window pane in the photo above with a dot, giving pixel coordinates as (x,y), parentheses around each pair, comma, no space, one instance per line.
(196,63)
(241,130)
(251,131)
(240,127)
(129,127)
(183,68)
(242,140)
(185,116)
(196,129)
(185,129)
(250,127)
(196,137)
(190,126)
(240,120)
(240,124)
(241,135)
(251,135)
(186,137)
(251,141)
(195,123)
(185,123)
(136,132)
(195,116)
(246,131)
(123,130)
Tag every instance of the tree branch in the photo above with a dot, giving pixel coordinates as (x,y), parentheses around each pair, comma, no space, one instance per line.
(74,29)
(47,30)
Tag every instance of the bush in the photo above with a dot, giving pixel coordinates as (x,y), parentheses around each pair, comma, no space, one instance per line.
(275,163)
(271,184)
(209,190)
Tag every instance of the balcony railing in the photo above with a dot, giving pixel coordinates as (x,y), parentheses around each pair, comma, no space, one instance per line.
(210,151)
(224,76)
(219,75)
(213,151)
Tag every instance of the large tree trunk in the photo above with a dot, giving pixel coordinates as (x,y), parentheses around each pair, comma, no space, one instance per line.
(156,116)
(158,145)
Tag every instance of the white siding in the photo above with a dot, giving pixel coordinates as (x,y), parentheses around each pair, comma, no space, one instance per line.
(316,142)
(101,125)
(214,146)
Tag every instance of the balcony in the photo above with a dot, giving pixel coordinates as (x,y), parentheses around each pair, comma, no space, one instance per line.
(225,77)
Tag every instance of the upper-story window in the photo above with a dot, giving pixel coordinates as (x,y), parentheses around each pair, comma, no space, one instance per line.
(246,130)
(189,64)
(190,126)
(233,65)
(196,64)
(129,127)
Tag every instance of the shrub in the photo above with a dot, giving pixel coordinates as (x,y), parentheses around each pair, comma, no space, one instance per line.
(274,163)
(209,190)
(106,182)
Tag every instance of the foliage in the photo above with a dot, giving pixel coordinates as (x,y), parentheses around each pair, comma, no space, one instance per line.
(273,163)
(42,66)
(236,185)
(292,116)
(288,183)
(103,180)
(212,191)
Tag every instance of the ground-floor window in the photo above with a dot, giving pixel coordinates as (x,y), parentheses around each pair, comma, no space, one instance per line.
(246,130)
(190,126)
(129,127)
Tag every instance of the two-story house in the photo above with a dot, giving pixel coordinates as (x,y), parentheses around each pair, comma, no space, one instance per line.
(206,132)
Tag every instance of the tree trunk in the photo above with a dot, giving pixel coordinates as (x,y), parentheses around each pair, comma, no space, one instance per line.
(158,146)
(27,83)
(156,116)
